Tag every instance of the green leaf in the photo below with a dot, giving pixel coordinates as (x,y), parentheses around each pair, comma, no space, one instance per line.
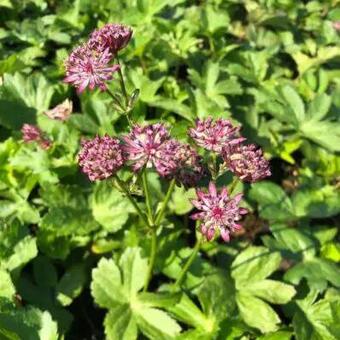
(16,248)
(324,53)
(120,323)
(159,300)
(319,107)
(43,297)
(106,286)
(279,335)
(316,271)
(67,221)
(28,323)
(325,133)
(19,114)
(295,102)
(71,284)
(214,19)
(11,64)
(318,203)
(180,200)
(134,270)
(274,204)
(294,240)
(316,319)
(257,313)
(44,272)
(187,311)
(109,207)
(271,291)
(6,3)
(127,309)
(83,123)
(216,288)
(68,214)
(7,289)
(157,324)
(331,251)
(173,105)
(34,91)
(35,161)
(254,264)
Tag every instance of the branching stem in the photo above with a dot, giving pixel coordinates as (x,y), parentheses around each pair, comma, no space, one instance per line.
(123,187)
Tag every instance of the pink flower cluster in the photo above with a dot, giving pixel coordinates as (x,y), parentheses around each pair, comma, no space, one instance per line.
(151,146)
(100,157)
(112,37)
(245,161)
(88,65)
(143,144)
(218,211)
(144,147)
(31,133)
(213,136)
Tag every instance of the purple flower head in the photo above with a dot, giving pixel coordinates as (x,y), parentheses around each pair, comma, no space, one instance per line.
(60,112)
(179,161)
(31,133)
(142,145)
(100,157)
(214,136)
(113,37)
(86,67)
(246,162)
(218,212)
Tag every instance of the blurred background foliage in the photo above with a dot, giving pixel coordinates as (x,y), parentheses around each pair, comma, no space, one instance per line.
(272,66)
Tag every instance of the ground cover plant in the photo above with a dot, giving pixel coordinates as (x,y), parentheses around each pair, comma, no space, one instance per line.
(169,169)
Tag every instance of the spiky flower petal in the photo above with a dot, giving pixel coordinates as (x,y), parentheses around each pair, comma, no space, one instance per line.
(218,212)
(113,37)
(142,145)
(86,67)
(214,135)
(60,112)
(246,161)
(101,157)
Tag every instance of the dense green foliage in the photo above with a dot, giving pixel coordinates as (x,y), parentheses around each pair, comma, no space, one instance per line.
(73,256)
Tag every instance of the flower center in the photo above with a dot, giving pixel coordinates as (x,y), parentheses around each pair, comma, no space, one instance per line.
(217,212)
(89,67)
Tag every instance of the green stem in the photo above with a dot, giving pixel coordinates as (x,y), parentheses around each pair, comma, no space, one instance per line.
(114,99)
(165,202)
(152,258)
(147,197)
(215,171)
(132,200)
(233,185)
(122,84)
(189,262)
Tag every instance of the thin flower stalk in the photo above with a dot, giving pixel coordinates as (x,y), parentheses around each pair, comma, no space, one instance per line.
(165,202)
(153,253)
(123,187)
(189,262)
